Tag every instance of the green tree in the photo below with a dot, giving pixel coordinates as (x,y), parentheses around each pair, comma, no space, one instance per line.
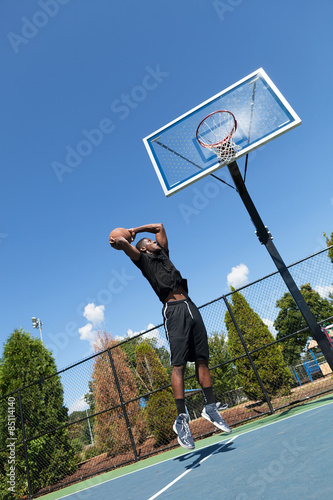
(89,397)
(130,349)
(224,378)
(329,242)
(290,320)
(79,433)
(51,457)
(164,357)
(269,362)
(152,373)
(161,409)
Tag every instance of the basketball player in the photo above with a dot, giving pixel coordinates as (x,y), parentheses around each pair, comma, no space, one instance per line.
(184,327)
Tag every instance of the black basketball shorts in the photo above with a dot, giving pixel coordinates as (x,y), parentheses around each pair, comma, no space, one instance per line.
(185,331)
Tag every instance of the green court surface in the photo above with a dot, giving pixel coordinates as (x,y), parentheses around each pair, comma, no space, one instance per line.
(286,455)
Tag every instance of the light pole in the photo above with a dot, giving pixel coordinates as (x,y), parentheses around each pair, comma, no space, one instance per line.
(36,323)
(90,431)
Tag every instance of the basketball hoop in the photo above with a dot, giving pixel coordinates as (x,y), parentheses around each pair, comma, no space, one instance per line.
(215,132)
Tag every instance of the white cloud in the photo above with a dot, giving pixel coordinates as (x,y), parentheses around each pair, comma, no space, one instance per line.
(238,276)
(78,405)
(119,338)
(270,325)
(87,333)
(153,334)
(94,314)
(131,334)
(324,291)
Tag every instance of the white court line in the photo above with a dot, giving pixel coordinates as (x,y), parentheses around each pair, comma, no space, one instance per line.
(189,470)
(173,458)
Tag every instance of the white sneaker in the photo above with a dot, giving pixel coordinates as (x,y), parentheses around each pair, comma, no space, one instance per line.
(211,413)
(182,428)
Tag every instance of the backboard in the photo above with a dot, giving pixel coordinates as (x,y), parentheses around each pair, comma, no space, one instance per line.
(261,111)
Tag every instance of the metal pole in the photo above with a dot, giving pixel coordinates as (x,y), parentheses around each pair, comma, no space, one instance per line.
(40,331)
(90,431)
(265,238)
(249,355)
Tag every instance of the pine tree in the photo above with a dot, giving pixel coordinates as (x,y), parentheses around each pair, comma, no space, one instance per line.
(161,409)
(329,242)
(130,349)
(269,362)
(223,377)
(79,433)
(290,320)
(51,457)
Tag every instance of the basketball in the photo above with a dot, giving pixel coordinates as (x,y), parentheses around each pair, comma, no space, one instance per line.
(120,231)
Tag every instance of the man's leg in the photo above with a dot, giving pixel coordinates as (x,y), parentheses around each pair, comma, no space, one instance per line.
(181,425)
(204,378)
(203,374)
(210,412)
(177,382)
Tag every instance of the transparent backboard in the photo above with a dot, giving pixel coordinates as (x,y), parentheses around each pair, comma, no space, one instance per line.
(261,112)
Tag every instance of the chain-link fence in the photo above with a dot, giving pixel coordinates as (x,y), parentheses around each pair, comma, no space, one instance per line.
(118,404)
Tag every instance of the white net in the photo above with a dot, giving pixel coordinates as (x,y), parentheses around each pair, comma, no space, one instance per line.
(226,151)
(215,132)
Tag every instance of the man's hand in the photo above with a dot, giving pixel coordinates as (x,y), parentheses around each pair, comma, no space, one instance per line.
(118,242)
(133,233)
(157,229)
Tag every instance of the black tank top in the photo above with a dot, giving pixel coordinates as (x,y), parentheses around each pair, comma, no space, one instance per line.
(162,275)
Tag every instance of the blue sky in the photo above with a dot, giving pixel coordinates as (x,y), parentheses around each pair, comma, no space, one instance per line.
(71,73)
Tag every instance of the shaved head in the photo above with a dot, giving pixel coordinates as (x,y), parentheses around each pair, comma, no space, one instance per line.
(141,243)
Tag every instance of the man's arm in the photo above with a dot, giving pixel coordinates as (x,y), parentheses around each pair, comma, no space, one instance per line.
(157,229)
(120,243)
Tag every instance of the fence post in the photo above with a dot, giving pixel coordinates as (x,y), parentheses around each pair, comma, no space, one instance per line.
(248,355)
(123,405)
(24,444)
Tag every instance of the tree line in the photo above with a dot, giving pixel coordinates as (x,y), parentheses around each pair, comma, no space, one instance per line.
(142,368)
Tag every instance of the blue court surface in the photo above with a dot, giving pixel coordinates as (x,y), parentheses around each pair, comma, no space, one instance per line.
(287,456)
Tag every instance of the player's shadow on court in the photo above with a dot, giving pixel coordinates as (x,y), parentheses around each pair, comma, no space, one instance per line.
(196,457)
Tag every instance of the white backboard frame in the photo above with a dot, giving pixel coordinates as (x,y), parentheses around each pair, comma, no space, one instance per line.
(148,141)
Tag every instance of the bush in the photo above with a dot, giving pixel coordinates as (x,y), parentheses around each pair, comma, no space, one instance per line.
(161,410)
(161,414)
